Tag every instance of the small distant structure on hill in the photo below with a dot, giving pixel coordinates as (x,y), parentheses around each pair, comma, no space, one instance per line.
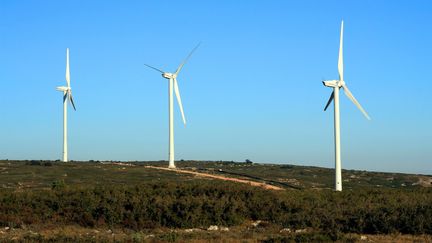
(247,161)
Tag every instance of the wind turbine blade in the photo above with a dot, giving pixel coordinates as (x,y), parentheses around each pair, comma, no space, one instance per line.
(71,100)
(67,68)
(329,101)
(340,61)
(157,69)
(187,58)
(353,99)
(177,93)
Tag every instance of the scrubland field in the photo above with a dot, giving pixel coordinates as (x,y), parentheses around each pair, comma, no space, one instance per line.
(110,201)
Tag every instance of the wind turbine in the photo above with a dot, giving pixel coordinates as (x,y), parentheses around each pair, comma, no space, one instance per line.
(172,77)
(67,95)
(336,85)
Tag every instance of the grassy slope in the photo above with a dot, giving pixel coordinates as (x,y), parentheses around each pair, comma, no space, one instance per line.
(21,174)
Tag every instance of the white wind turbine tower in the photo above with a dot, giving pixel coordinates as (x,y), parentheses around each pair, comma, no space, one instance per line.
(172,77)
(336,85)
(67,95)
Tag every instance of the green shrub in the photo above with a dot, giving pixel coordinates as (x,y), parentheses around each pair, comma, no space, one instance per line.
(204,203)
(59,184)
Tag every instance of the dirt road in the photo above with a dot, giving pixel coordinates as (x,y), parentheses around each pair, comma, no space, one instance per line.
(252,183)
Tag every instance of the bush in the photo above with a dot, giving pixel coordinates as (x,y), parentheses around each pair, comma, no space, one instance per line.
(204,203)
(59,184)
(34,162)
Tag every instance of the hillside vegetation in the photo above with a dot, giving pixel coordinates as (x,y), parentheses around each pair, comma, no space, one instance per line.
(41,174)
(132,197)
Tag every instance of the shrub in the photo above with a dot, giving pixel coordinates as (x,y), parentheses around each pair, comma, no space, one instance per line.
(59,184)
(204,203)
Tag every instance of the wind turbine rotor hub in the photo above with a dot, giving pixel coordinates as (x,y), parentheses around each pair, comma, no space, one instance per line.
(62,88)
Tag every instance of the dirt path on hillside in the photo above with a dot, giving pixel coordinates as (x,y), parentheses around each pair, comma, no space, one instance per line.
(252,183)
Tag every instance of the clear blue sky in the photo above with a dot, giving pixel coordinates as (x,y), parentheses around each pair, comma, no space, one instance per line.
(251,91)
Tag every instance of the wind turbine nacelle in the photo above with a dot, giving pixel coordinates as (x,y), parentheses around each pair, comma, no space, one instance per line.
(62,88)
(168,75)
(331,83)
